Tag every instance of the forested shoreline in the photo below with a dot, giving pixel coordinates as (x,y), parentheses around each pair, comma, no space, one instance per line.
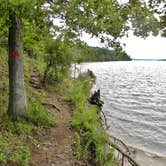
(96,54)
(39,40)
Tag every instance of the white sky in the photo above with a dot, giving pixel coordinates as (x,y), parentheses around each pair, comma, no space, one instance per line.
(149,48)
(138,48)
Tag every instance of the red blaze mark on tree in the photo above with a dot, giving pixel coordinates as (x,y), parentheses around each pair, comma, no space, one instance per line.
(15,53)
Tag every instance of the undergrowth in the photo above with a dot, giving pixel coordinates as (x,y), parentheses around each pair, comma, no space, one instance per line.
(37,114)
(12,150)
(16,137)
(92,141)
(15,134)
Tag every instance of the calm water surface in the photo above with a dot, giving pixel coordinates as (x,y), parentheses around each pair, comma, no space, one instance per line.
(135,101)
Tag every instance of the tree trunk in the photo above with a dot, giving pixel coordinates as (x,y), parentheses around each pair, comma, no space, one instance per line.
(17,95)
(46,73)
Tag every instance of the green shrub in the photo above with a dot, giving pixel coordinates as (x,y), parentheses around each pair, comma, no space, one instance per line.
(92,142)
(12,151)
(83,116)
(58,58)
(78,146)
(80,91)
(14,133)
(20,126)
(38,115)
(24,127)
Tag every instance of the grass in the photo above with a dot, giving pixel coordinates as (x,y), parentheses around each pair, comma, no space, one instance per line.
(37,115)
(16,136)
(12,151)
(92,141)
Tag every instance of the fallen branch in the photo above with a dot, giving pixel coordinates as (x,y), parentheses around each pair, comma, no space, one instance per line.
(125,151)
(121,142)
(129,158)
(105,119)
(117,141)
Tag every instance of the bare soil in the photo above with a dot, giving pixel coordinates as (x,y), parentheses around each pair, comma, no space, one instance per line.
(56,145)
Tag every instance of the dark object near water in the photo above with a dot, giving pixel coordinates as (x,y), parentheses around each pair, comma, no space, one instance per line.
(95,99)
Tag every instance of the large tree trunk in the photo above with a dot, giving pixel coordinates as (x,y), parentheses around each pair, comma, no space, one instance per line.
(17,95)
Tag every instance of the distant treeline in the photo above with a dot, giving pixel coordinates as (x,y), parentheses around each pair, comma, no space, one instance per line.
(104,54)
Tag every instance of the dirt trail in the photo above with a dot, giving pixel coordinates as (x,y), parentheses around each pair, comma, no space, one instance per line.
(55,147)
(56,144)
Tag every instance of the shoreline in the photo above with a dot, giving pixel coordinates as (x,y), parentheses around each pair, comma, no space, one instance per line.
(149,154)
(142,157)
(146,158)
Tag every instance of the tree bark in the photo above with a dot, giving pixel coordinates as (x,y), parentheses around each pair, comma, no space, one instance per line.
(46,73)
(17,94)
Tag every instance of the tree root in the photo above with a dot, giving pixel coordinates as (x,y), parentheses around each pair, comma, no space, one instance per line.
(48,105)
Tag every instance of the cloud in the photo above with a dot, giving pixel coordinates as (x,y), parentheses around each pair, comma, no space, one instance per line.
(138,48)
(149,48)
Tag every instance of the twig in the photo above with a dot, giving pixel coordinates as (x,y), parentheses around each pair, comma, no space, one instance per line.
(120,141)
(105,119)
(114,145)
(130,159)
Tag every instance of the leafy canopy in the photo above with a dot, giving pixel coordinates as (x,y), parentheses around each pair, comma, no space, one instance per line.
(102,18)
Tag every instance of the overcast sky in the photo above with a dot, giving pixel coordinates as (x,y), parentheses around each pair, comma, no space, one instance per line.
(136,47)
(149,48)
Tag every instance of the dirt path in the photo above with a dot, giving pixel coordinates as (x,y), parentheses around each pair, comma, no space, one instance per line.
(56,145)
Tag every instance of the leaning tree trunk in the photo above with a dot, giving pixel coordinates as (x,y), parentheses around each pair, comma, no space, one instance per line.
(17,95)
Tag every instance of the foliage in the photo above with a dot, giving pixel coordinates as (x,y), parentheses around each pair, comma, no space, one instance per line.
(21,127)
(103,54)
(58,59)
(159,7)
(143,21)
(37,114)
(107,20)
(15,135)
(80,92)
(98,18)
(61,88)
(11,150)
(92,141)
(3,81)
(163,25)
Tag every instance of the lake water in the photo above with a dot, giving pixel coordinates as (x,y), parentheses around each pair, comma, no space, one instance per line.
(134,94)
